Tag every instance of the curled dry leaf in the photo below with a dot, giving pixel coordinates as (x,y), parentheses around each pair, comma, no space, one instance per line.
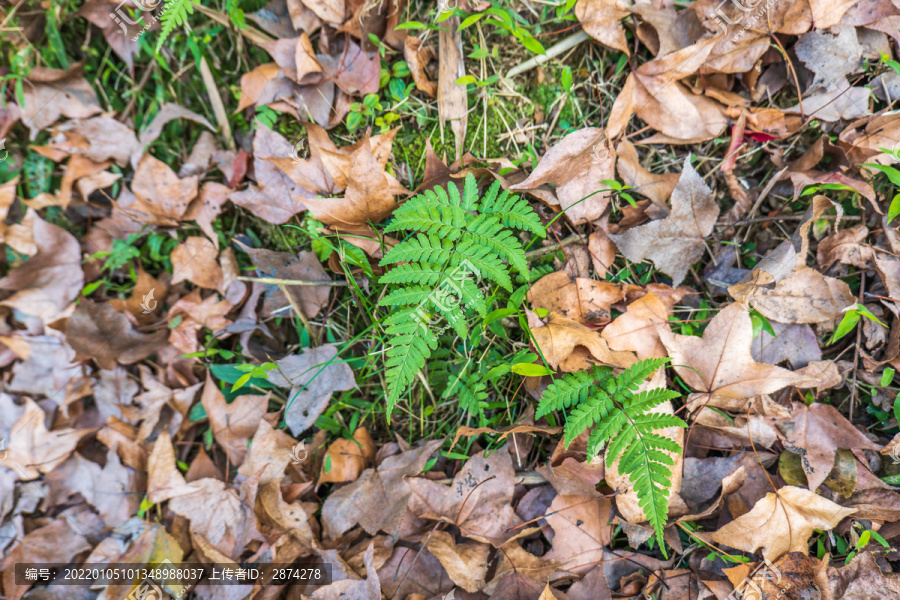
(570,346)
(636,329)
(656,187)
(313,377)
(675,242)
(233,423)
(781,522)
(601,19)
(196,261)
(575,167)
(816,432)
(160,196)
(348,458)
(466,563)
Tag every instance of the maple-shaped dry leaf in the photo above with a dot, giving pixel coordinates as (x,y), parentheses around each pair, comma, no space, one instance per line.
(377,499)
(33,449)
(196,261)
(51,93)
(478,500)
(575,167)
(676,242)
(805,296)
(160,196)
(274,198)
(96,330)
(370,190)
(720,364)
(816,432)
(602,20)
(583,300)
(466,563)
(48,281)
(570,346)
(781,522)
(112,489)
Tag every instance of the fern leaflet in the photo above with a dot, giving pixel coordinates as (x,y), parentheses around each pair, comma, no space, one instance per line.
(174,14)
(623,419)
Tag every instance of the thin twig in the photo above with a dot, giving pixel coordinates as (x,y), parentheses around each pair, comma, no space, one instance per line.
(276,281)
(551,248)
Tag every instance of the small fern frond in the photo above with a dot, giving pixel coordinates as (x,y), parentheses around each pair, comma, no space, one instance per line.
(437,270)
(511,210)
(175,14)
(624,420)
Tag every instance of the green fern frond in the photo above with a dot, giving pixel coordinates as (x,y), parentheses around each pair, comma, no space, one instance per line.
(511,210)
(457,239)
(624,420)
(175,14)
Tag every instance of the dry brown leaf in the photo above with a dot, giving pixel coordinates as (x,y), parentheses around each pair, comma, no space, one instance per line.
(795,343)
(48,281)
(781,522)
(160,197)
(33,449)
(348,458)
(816,432)
(466,563)
(233,423)
(654,93)
(370,191)
(196,261)
(656,187)
(570,346)
(451,96)
(862,579)
(377,500)
(806,296)
(720,364)
(847,247)
(206,207)
(97,330)
(417,57)
(270,452)
(581,531)
(313,376)
(636,330)
(275,197)
(281,265)
(575,167)
(584,300)
(601,19)
(676,242)
(51,93)
(478,500)
(122,43)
